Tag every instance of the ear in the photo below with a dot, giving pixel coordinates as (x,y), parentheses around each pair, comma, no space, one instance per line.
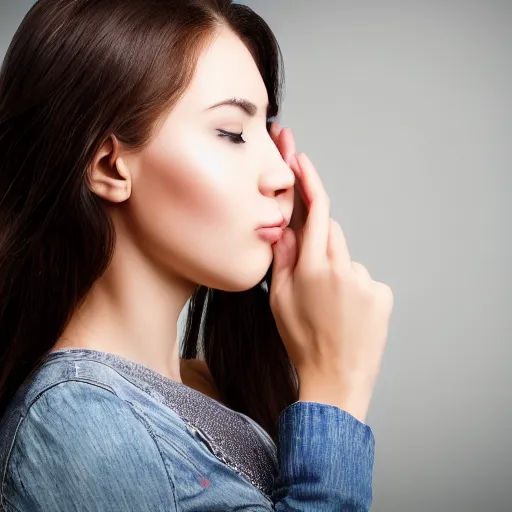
(109,176)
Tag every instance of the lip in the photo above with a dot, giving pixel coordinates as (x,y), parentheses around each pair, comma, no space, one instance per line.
(281,223)
(270,234)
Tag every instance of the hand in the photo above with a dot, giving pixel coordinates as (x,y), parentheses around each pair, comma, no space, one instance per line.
(285,142)
(332,316)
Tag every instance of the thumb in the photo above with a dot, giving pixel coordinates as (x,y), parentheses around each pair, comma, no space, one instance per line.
(285,258)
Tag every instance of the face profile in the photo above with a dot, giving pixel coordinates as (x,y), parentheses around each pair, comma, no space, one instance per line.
(190,202)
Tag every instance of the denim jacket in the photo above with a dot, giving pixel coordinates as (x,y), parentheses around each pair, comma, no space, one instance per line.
(81,434)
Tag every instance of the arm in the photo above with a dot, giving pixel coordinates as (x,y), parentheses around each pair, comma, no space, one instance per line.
(325,456)
(325,459)
(80,445)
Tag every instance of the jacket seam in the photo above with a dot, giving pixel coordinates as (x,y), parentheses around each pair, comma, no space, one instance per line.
(8,458)
(140,417)
(12,507)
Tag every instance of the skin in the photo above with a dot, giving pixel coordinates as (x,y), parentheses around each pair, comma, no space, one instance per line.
(185,210)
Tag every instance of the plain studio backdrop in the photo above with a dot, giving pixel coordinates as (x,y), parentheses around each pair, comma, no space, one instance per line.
(405,109)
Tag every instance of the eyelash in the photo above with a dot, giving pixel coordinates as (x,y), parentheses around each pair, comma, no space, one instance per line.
(236,138)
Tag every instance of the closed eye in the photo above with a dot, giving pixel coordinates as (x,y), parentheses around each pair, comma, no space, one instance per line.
(236,138)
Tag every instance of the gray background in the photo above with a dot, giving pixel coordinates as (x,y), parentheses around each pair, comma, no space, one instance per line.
(405,109)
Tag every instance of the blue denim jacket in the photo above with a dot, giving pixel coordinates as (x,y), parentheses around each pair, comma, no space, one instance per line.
(80,435)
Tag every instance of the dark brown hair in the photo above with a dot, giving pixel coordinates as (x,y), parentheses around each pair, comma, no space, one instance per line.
(74,73)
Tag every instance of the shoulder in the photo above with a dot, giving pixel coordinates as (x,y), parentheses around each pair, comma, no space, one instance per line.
(92,445)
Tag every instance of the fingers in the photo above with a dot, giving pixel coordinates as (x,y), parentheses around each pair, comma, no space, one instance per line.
(359,268)
(287,145)
(284,140)
(386,293)
(316,228)
(274,131)
(337,248)
(320,240)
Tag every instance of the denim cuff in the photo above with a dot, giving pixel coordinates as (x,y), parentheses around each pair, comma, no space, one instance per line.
(325,454)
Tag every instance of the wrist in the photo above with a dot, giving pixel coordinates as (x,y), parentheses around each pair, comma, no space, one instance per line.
(352,398)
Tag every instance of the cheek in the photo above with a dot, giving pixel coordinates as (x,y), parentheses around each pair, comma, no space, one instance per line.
(195,213)
(189,196)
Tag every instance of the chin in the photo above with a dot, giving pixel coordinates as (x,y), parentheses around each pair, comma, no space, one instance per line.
(242,277)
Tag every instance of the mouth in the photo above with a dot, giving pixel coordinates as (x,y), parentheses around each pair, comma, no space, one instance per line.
(281,223)
(270,233)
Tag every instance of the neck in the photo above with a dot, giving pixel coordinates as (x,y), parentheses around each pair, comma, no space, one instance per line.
(132,311)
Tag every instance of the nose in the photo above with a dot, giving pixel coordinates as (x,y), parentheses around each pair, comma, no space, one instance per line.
(278,178)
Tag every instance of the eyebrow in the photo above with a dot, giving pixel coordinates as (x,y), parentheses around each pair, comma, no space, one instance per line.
(247,106)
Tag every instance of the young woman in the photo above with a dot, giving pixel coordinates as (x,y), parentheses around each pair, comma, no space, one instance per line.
(138,166)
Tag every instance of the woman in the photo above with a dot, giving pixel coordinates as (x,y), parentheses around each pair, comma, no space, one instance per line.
(139,163)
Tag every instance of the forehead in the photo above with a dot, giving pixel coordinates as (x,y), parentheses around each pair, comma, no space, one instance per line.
(225,69)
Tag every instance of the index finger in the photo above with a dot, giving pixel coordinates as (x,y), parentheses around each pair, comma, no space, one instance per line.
(284,140)
(316,229)
(274,131)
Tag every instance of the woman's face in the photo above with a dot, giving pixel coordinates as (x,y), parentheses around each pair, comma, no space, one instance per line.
(197,197)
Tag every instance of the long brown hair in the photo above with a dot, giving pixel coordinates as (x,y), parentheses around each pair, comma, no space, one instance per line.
(74,73)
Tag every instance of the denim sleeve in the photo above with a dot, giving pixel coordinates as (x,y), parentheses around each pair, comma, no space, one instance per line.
(82,448)
(325,460)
